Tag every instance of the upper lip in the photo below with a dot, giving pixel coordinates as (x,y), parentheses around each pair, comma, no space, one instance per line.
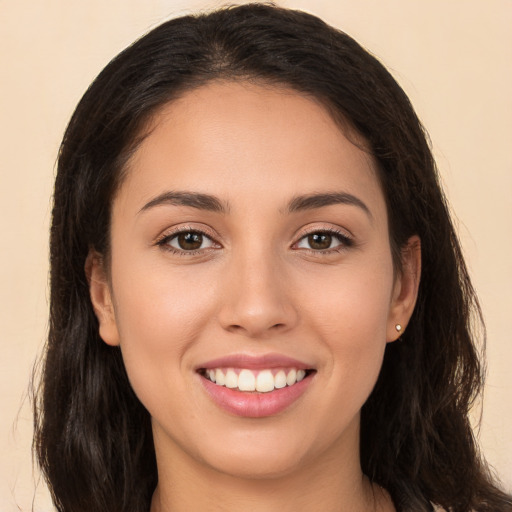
(255,362)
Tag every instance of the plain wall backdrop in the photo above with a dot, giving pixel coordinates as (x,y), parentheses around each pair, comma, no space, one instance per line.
(452,57)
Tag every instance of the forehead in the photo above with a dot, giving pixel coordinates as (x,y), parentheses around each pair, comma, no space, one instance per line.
(231,138)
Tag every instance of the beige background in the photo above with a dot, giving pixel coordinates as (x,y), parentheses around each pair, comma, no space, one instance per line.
(454,59)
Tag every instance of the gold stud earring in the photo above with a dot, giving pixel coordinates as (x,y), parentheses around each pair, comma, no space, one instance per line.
(398,327)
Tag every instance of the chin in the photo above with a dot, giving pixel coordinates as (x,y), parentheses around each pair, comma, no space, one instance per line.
(268,450)
(252,466)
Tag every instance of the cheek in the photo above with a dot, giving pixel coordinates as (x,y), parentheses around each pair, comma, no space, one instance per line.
(352,300)
(159,315)
(350,316)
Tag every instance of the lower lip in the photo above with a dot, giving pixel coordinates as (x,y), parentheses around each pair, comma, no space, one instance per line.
(255,405)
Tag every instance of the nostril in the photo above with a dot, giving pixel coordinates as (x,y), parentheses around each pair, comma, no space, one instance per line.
(252,329)
(234,328)
(256,315)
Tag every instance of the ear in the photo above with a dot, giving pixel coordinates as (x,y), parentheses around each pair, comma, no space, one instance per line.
(405,290)
(101,298)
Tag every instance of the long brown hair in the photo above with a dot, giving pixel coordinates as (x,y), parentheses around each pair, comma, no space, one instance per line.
(93,437)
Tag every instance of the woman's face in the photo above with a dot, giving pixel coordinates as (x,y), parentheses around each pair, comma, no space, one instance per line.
(250,246)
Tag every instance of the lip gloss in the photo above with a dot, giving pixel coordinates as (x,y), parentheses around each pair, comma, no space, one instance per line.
(254,404)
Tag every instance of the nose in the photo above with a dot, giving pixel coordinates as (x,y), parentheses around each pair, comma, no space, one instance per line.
(257,299)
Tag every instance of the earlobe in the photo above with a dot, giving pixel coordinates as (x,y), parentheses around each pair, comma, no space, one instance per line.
(101,298)
(406,288)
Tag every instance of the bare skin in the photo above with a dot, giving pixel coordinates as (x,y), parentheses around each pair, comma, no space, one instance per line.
(233,167)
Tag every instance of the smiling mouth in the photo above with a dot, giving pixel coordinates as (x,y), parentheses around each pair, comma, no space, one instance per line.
(260,381)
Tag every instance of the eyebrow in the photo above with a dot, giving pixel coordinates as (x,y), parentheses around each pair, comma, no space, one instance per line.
(192,199)
(213,204)
(313,201)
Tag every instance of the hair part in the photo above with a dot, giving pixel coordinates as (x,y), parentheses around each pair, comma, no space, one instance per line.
(93,437)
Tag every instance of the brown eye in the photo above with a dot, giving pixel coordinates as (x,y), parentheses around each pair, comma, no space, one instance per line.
(324,241)
(189,241)
(320,241)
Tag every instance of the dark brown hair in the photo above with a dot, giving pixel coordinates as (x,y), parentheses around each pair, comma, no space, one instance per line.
(92,436)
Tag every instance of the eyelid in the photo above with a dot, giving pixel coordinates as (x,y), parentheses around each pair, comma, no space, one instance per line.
(344,236)
(170,233)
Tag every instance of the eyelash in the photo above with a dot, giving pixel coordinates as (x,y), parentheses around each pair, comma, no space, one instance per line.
(344,240)
(164,241)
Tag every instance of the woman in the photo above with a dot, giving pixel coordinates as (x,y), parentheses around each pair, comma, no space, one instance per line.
(258,300)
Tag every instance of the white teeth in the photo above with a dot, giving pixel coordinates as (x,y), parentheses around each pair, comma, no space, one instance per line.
(246,381)
(262,381)
(265,381)
(280,379)
(231,379)
(219,377)
(291,378)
